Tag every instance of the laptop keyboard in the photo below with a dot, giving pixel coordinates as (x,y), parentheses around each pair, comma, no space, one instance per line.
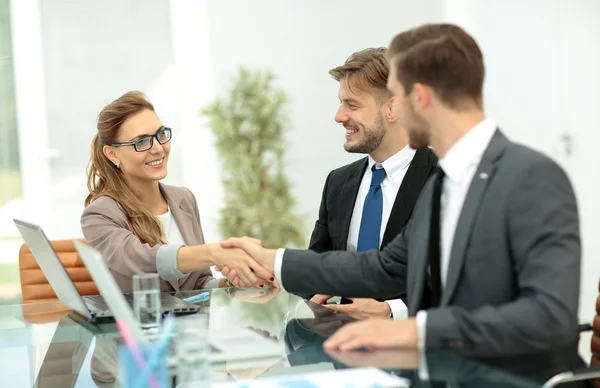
(99,300)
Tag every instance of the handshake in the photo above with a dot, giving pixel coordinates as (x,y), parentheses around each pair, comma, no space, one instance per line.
(246,263)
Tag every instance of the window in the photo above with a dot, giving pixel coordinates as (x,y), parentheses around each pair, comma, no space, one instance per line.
(10,176)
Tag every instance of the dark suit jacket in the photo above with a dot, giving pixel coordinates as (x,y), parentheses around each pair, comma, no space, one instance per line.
(339,196)
(513,277)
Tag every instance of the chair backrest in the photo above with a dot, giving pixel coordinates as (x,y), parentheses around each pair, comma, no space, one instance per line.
(596,337)
(35,286)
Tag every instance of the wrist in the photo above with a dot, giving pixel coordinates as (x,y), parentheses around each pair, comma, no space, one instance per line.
(270,260)
(193,258)
(387,310)
(225,283)
(211,253)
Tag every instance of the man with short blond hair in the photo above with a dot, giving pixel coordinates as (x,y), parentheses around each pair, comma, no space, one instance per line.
(366,204)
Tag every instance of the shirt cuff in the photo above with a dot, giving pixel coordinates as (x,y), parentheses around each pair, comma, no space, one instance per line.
(398,308)
(423,368)
(422,327)
(166,262)
(277,267)
(422,332)
(212,283)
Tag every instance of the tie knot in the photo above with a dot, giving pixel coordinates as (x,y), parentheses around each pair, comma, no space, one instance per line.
(378,176)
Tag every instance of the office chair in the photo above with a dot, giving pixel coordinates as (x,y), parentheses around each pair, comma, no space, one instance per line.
(593,372)
(36,289)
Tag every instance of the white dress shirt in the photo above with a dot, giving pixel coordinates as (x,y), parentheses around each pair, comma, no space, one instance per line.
(170,228)
(174,236)
(395,170)
(459,164)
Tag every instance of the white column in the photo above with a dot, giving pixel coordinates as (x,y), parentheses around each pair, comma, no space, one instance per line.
(31,111)
(195,88)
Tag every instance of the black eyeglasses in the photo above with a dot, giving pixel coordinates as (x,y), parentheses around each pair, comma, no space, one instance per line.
(146,142)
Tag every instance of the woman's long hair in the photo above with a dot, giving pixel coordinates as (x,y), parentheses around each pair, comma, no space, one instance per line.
(105,179)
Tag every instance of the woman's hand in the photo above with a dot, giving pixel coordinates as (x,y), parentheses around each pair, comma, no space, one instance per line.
(232,275)
(247,271)
(256,296)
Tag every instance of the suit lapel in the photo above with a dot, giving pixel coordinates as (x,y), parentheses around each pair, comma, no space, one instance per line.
(347,201)
(419,170)
(183,219)
(481,180)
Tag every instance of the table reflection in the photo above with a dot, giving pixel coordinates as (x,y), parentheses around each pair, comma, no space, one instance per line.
(299,327)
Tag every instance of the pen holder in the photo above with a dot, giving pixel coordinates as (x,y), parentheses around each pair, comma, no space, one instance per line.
(154,372)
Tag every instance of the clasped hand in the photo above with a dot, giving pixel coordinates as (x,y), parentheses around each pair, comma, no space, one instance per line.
(246,263)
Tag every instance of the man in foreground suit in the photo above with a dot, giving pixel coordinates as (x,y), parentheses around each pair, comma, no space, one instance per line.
(366,204)
(491,257)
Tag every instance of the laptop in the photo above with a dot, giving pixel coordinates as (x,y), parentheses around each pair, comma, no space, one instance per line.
(91,307)
(226,345)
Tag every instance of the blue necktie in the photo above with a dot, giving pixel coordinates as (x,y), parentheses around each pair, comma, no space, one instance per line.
(370,223)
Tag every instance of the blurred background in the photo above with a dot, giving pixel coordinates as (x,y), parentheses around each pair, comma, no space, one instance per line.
(61,61)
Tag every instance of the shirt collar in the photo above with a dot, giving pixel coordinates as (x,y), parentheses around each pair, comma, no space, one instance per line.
(395,163)
(468,150)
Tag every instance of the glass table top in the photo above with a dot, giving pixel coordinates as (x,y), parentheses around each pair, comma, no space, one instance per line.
(41,345)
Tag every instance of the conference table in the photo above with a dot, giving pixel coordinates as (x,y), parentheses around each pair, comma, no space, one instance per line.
(42,345)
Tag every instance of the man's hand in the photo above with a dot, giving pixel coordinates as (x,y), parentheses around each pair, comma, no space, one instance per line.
(232,275)
(248,270)
(320,299)
(264,257)
(363,308)
(375,334)
(385,359)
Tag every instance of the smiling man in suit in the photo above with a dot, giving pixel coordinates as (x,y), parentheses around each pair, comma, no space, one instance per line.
(366,204)
(491,257)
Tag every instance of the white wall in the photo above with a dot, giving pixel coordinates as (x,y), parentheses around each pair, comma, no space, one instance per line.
(301,41)
(94,51)
(542,59)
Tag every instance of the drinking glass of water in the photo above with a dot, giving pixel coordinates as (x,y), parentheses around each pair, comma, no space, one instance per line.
(146,302)
(193,352)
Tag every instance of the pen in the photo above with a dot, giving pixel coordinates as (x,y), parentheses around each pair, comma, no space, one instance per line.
(158,349)
(135,350)
(198,298)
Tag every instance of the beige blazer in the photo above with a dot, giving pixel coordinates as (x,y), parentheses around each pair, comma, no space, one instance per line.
(106,228)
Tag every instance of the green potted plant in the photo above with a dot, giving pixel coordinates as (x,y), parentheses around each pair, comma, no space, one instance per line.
(249,124)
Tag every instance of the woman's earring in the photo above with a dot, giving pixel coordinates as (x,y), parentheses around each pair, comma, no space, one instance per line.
(117,164)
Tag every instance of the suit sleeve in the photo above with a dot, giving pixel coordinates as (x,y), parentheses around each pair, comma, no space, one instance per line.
(206,280)
(543,232)
(320,240)
(373,274)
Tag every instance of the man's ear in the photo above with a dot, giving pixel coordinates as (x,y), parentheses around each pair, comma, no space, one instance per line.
(390,110)
(422,95)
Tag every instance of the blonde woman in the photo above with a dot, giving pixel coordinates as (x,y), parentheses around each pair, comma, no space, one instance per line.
(143,226)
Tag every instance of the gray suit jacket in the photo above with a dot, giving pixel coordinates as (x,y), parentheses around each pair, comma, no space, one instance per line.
(513,277)
(106,228)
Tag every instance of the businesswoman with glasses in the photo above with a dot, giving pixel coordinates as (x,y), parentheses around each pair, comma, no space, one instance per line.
(143,226)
